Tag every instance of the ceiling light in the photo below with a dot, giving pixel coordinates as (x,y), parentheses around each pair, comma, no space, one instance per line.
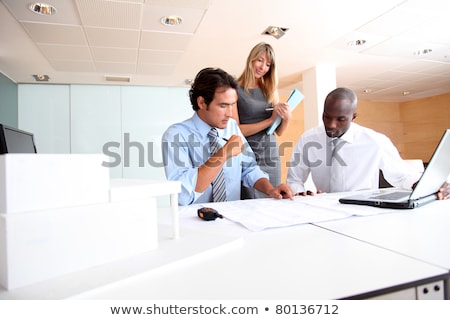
(276,32)
(171,20)
(405,93)
(118,78)
(421,52)
(367,90)
(42,8)
(41,77)
(356,43)
(189,81)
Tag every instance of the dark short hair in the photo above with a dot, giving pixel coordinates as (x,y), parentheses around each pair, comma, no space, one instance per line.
(341,94)
(206,82)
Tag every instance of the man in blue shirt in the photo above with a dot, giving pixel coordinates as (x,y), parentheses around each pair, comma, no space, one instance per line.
(186,145)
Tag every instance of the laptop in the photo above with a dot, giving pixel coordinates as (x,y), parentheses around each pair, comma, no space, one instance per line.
(435,174)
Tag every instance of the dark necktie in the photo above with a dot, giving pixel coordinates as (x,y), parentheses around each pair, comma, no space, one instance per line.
(218,184)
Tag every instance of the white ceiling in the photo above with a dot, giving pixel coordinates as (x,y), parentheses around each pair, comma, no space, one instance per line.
(88,40)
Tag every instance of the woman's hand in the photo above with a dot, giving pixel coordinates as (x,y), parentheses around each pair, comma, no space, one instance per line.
(283,110)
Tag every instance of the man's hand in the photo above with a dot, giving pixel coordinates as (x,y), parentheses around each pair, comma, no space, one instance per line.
(444,192)
(283,191)
(233,147)
(307,193)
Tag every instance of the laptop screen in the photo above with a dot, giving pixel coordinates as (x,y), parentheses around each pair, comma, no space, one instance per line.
(437,169)
(13,140)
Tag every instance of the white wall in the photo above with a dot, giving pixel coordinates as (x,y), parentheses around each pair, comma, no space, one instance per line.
(124,122)
(45,111)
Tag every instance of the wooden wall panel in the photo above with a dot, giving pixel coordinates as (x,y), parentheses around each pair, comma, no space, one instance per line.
(424,121)
(288,140)
(383,117)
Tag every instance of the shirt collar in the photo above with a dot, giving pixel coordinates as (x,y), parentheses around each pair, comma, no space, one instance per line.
(348,136)
(203,127)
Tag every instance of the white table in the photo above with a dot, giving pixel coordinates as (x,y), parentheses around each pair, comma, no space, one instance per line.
(171,254)
(222,260)
(129,189)
(46,245)
(299,262)
(422,233)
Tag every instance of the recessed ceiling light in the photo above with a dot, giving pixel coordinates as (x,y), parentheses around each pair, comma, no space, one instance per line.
(171,20)
(367,90)
(276,32)
(405,93)
(42,8)
(421,52)
(356,43)
(189,81)
(41,77)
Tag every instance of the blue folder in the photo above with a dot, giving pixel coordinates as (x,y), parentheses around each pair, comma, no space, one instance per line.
(294,99)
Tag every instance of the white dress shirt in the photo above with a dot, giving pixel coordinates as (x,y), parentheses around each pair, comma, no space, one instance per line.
(363,154)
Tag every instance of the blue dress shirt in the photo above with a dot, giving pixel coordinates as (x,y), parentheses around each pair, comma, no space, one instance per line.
(185,147)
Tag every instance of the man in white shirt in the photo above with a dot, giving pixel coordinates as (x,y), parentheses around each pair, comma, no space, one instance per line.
(359,153)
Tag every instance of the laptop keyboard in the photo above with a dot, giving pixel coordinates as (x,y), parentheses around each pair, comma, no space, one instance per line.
(392,195)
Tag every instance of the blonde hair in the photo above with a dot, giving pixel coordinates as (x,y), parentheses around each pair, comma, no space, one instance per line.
(269,82)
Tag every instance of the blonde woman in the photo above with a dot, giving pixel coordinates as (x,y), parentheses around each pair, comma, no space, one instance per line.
(258,106)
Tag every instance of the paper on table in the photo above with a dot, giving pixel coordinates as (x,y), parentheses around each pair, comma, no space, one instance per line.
(261,214)
(294,99)
(330,201)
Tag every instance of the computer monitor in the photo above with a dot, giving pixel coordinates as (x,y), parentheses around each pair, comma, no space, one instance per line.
(13,140)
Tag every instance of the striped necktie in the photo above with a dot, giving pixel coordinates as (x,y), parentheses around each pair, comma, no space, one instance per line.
(218,184)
